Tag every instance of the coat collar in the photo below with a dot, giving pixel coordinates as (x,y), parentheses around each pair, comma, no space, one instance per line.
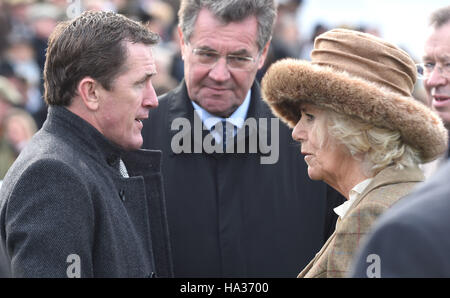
(87,138)
(390,175)
(63,122)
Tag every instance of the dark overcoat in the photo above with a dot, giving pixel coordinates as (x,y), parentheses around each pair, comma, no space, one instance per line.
(67,211)
(230,215)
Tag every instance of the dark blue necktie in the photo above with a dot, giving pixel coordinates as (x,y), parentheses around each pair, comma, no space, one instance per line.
(228,130)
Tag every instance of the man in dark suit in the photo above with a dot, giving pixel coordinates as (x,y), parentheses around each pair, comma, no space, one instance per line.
(81,200)
(411,240)
(239,200)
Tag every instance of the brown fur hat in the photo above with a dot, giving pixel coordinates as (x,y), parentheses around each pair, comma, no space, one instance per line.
(359,75)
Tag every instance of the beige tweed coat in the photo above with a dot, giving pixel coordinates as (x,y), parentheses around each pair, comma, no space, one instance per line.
(387,187)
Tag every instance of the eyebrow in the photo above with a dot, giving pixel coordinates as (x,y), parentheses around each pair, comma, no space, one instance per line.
(238,52)
(146,77)
(303,108)
(444,57)
(206,48)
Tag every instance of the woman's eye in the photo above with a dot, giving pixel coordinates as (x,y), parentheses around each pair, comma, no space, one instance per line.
(309,117)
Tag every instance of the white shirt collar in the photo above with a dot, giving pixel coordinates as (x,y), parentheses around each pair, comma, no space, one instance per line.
(357,190)
(237,118)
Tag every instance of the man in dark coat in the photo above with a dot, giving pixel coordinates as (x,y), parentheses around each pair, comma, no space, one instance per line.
(251,211)
(81,200)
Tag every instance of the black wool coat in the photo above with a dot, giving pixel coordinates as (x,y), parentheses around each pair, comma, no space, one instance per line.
(230,215)
(67,212)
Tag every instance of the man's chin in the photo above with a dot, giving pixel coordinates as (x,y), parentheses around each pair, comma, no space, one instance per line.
(131,146)
(219,109)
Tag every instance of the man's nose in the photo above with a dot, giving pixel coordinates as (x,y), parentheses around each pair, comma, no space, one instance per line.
(150,98)
(220,72)
(436,79)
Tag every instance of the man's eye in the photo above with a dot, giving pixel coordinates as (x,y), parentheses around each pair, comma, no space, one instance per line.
(238,59)
(309,117)
(429,65)
(208,54)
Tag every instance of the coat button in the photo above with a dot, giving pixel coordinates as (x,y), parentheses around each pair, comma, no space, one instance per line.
(122,195)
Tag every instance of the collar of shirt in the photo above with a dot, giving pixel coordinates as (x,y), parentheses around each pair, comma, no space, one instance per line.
(237,118)
(358,189)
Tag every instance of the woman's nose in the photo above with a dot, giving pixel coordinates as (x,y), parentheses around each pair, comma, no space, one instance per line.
(298,134)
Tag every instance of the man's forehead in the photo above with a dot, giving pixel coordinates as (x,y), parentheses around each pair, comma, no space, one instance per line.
(209,31)
(437,43)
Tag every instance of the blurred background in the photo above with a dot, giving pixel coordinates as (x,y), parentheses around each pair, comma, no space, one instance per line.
(25,26)
(403,22)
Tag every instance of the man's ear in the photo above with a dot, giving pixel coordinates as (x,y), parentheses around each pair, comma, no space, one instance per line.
(264,52)
(181,40)
(88,89)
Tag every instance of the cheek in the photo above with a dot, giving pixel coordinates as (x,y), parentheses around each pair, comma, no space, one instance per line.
(194,72)
(324,162)
(193,78)
(315,170)
(426,86)
(314,143)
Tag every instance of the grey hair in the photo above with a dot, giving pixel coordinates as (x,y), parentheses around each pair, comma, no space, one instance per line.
(376,147)
(440,17)
(228,11)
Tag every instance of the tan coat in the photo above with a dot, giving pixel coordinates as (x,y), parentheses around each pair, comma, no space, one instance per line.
(387,187)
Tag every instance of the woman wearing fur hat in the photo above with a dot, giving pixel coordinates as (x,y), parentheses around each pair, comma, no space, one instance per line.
(360,129)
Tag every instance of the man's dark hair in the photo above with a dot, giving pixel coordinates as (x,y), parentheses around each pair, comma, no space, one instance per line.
(94,45)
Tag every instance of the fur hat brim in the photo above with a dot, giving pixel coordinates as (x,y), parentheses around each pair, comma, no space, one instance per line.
(290,82)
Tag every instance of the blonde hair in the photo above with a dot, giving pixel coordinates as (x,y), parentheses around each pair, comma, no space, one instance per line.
(376,147)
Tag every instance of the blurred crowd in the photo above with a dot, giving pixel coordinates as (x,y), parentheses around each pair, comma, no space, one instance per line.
(25,26)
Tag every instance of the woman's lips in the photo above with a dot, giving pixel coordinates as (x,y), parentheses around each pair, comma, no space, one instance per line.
(307,157)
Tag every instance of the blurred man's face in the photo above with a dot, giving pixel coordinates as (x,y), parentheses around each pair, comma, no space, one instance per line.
(222,86)
(437,85)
